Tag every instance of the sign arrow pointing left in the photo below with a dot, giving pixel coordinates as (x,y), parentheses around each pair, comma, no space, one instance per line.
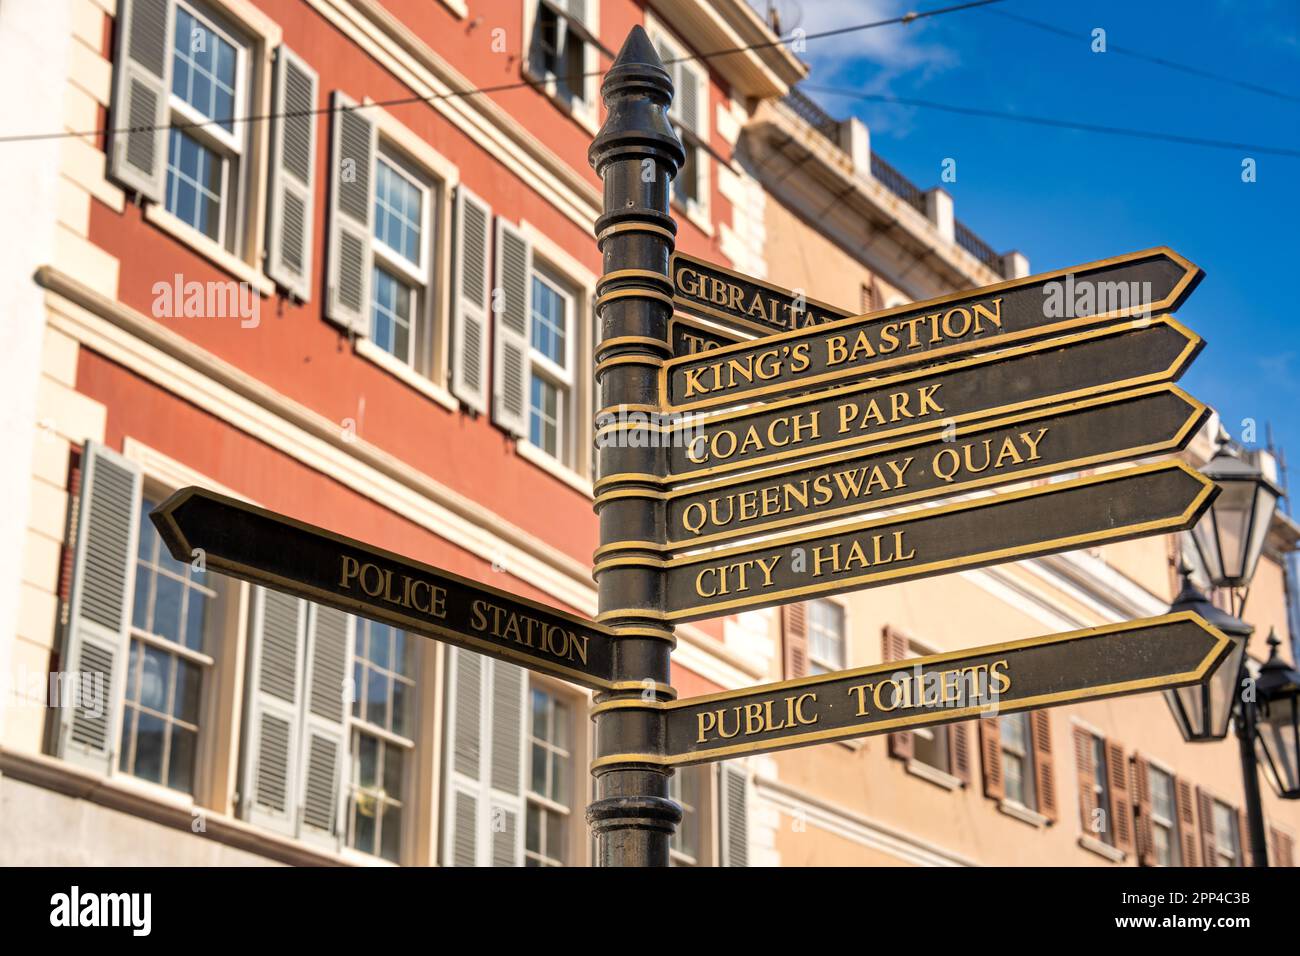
(277,552)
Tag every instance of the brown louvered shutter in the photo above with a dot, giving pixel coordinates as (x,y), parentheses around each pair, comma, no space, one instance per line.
(1144,839)
(1122,788)
(1186,823)
(991,757)
(901,744)
(1246,856)
(1281,846)
(1086,773)
(1205,811)
(959,750)
(794,639)
(1040,732)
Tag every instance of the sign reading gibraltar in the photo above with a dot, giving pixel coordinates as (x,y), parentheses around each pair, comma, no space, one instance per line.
(1138,656)
(1110,428)
(264,548)
(1139,284)
(1089,363)
(1085,512)
(734,300)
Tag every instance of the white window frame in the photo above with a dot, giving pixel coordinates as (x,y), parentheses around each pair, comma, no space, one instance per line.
(1026,757)
(563,379)
(568,856)
(1101,785)
(416,276)
(1168,824)
(235,149)
(828,667)
(1222,858)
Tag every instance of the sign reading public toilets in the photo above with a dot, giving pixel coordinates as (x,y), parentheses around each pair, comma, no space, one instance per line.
(264,548)
(826,352)
(1145,655)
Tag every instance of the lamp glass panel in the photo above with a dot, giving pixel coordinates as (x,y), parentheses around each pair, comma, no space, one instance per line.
(1207,547)
(1278,736)
(1232,512)
(1265,506)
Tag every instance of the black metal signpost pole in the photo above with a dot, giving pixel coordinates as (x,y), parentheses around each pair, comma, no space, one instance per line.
(636,154)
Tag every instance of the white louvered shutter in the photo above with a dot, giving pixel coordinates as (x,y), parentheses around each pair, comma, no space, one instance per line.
(277,637)
(106,528)
(352,160)
(511,314)
(142,82)
(689,89)
(580,10)
(509,685)
(293,164)
(733,809)
(469,365)
(324,748)
(483,809)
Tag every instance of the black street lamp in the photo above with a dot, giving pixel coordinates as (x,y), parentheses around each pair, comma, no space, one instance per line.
(1229,539)
(1278,721)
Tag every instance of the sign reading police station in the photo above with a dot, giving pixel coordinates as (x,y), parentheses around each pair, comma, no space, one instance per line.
(265,548)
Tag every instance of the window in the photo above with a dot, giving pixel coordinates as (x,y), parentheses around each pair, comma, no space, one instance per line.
(1018,760)
(1164,817)
(1100,791)
(166,666)
(686,787)
(550,796)
(559,54)
(689,113)
(1227,838)
(401,268)
(550,390)
(383,672)
(826,650)
(205,146)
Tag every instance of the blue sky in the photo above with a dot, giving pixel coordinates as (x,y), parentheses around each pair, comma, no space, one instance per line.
(1064,197)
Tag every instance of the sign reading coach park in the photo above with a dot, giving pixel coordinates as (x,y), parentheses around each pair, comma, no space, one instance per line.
(734,300)
(264,548)
(1145,655)
(825,352)
(1085,512)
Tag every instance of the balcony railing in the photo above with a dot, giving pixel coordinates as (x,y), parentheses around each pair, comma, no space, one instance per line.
(814,115)
(897,183)
(977,247)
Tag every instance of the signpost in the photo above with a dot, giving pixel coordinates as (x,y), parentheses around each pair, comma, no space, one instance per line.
(264,548)
(1086,512)
(1053,303)
(954,396)
(1139,656)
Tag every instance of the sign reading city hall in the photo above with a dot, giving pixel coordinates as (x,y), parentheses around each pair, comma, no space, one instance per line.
(264,548)
(1152,654)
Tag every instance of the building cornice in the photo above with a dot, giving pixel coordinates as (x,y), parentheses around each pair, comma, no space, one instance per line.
(761,73)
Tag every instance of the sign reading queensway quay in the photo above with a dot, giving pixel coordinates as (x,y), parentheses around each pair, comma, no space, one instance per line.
(1088,363)
(1154,420)
(1139,284)
(264,548)
(1145,655)
(1085,512)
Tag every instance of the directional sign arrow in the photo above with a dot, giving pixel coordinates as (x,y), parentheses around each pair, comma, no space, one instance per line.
(1138,656)
(1109,428)
(735,300)
(265,548)
(1085,512)
(1088,363)
(853,349)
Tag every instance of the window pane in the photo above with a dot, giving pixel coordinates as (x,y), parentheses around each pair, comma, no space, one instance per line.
(543,418)
(203,69)
(188,684)
(391,848)
(194,174)
(196,606)
(398,211)
(379,647)
(149,748)
(550,320)
(180,766)
(367,760)
(394,761)
(390,325)
(377,687)
(402,698)
(537,780)
(363,823)
(167,608)
(155,678)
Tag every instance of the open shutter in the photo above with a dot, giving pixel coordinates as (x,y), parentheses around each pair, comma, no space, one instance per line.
(509,687)
(465,731)
(689,98)
(511,314)
(273,725)
(959,751)
(1205,813)
(352,158)
(894,648)
(1086,775)
(991,757)
(1187,823)
(1247,854)
(1281,848)
(469,365)
(293,164)
(325,734)
(141,84)
(1145,839)
(794,639)
(1040,733)
(1122,788)
(105,528)
(733,811)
